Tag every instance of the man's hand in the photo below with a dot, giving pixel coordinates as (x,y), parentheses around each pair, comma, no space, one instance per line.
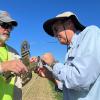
(48,58)
(14,66)
(33,59)
(43,72)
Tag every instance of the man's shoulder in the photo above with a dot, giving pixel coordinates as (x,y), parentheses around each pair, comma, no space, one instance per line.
(92,28)
(11,49)
(90,32)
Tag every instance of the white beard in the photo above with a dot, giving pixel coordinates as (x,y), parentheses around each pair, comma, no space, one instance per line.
(3,38)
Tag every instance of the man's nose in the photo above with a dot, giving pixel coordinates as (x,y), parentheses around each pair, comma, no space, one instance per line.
(7,30)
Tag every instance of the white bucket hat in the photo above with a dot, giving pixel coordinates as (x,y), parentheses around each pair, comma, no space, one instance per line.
(5,17)
(63,16)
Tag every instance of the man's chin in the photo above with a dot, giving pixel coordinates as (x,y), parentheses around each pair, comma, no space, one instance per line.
(3,39)
(62,42)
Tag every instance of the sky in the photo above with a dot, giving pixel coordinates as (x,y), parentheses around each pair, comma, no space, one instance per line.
(31,14)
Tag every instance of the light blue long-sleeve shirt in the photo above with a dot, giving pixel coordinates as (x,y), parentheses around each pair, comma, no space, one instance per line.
(81,72)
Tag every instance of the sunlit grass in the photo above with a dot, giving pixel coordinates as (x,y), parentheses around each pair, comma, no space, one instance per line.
(58,95)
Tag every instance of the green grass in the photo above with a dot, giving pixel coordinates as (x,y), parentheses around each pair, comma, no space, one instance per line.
(58,95)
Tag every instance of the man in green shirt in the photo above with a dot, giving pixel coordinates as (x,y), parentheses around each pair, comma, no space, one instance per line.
(9,61)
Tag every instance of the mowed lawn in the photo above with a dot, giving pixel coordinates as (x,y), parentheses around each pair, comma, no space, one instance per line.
(40,89)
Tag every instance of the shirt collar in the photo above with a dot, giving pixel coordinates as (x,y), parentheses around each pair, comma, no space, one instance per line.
(74,40)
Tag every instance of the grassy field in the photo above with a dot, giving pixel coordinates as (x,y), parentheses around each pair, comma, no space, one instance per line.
(58,95)
(40,89)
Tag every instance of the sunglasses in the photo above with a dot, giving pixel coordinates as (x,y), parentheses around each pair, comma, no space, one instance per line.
(6,25)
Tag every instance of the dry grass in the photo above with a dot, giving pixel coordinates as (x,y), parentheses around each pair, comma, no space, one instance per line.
(38,89)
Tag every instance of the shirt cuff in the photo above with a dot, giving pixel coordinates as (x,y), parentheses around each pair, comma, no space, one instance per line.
(57,69)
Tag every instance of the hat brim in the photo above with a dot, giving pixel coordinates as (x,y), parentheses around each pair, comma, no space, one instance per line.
(9,20)
(49,23)
(14,23)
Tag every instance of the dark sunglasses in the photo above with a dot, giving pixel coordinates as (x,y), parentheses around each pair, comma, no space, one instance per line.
(6,25)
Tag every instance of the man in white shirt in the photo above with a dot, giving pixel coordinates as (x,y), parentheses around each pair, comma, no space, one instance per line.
(80,74)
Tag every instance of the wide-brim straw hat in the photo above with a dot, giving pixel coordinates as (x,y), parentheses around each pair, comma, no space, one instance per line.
(63,16)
